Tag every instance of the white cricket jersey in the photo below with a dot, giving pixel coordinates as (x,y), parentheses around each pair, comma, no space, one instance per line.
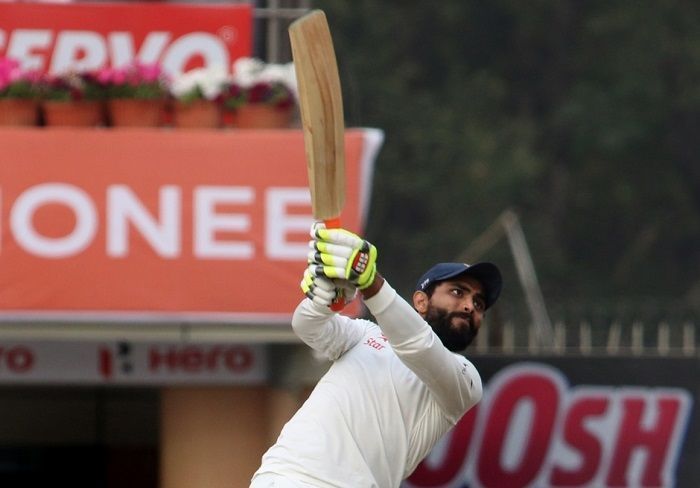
(392,392)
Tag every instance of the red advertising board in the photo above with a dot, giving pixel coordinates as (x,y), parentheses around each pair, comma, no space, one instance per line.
(59,37)
(564,422)
(159,224)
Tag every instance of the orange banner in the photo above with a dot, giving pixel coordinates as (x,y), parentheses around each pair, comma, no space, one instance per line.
(59,37)
(210,225)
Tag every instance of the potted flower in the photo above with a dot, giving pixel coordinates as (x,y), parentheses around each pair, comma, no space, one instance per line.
(268,105)
(136,94)
(233,97)
(73,99)
(261,95)
(197,97)
(19,94)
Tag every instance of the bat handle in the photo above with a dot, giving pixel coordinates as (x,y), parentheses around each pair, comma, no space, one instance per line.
(332,223)
(339,302)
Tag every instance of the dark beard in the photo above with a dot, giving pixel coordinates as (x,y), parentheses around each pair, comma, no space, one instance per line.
(453,338)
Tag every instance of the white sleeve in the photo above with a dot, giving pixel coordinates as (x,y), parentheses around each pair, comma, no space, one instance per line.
(453,379)
(325,331)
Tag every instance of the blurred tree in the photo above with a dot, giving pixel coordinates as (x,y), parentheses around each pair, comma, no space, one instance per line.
(581,116)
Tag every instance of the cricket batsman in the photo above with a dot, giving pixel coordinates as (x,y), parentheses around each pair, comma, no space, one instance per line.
(395,387)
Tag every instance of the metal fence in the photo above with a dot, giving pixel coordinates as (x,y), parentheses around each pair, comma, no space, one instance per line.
(272,18)
(616,338)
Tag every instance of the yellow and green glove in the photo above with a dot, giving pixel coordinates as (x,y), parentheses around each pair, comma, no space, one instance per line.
(340,254)
(324,291)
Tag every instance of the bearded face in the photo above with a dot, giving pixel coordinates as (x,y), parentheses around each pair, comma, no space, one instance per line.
(456,330)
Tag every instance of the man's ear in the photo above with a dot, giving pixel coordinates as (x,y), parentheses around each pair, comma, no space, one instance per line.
(420,302)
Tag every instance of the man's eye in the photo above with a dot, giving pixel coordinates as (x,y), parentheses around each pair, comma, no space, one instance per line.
(457,292)
(480,306)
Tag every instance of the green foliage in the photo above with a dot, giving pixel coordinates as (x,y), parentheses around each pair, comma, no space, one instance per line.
(154,90)
(72,87)
(581,116)
(24,89)
(192,96)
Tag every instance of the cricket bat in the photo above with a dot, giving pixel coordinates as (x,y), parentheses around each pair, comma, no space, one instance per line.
(321,108)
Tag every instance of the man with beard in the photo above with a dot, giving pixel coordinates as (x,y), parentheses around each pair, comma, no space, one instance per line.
(395,386)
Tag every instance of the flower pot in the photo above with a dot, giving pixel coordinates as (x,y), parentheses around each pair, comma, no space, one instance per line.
(18,112)
(79,113)
(196,114)
(228,118)
(131,112)
(260,116)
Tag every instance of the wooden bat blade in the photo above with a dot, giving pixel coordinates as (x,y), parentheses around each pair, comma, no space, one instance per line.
(321,107)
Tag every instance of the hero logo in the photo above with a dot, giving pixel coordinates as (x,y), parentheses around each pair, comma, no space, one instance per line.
(82,50)
(199,359)
(531,429)
(173,360)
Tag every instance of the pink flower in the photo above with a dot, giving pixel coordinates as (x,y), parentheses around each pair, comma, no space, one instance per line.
(7,65)
(119,76)
(149,72)
(104,76)
(10,71)
(134,80)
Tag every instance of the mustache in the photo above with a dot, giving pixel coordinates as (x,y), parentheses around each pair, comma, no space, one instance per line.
(466,316)
(455,338)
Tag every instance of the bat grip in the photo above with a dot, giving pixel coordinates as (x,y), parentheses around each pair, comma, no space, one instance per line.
(339,302)
(332,223)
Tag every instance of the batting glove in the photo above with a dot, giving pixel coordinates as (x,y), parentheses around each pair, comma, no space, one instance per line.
(340,254)
(324,291)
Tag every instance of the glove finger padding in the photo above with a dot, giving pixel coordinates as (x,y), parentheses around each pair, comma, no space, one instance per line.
(318,289)
(323,259)
(323,247)
(340,237)
(316,225)
(327,271)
